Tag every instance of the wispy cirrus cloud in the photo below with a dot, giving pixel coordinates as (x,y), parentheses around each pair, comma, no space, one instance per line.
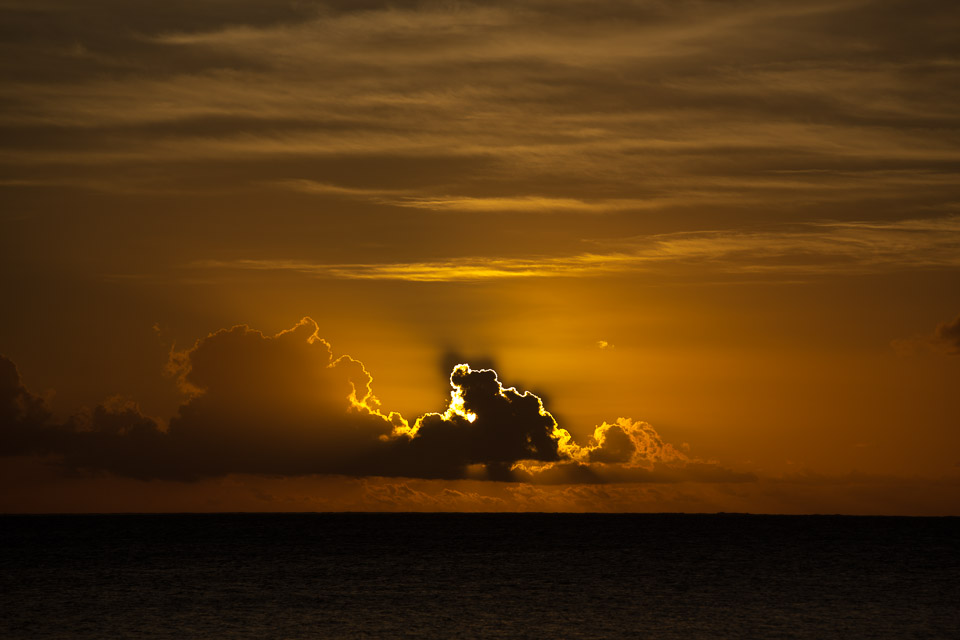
(640,104)
(808,249)
(454,269)
(522,203)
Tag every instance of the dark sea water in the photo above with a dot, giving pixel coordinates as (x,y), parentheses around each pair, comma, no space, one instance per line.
(478,576)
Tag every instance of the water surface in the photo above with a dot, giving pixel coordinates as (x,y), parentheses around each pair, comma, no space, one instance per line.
(479,576)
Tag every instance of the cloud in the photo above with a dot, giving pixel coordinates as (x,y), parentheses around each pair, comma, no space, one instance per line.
(486,429)
(452,270)
(947,336)
(22,414)
(283,405)
(471,204)
(629,101)
(17,404)
(535,204)
(814,248)
(402,497)
(256,404)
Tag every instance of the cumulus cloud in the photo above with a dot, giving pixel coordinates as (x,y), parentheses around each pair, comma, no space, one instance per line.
(283,405)
(256,404)
(17,405)
(22,414)
(487,425)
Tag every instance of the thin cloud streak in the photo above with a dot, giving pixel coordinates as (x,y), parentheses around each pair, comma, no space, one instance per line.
(458,269)
(401,198)
(670,193)
(817,249)
(624,99)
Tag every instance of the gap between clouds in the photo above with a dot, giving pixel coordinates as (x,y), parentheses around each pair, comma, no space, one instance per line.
(282,405)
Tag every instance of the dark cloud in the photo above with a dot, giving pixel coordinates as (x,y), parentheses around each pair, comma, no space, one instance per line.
(486,425)
(617,447)
(947,336)
(283,405)
(22,414)
(257,404)
(17,404)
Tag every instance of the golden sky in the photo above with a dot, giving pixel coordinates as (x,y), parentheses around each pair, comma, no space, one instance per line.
(693,256)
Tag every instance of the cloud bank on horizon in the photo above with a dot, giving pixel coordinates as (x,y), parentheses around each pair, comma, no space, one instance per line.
(284,406)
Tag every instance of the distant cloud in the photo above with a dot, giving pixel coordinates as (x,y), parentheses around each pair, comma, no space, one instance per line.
(947,336)
(603,344)
(816,248)
(516,203)
(533,204)
(452,270)
(282,405)
(18,407)
(402,497)
(312,186)
(638,104)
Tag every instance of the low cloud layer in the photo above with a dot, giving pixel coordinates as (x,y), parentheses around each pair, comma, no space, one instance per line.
(284,406)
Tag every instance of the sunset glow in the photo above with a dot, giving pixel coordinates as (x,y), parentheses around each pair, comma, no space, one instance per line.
(429,256)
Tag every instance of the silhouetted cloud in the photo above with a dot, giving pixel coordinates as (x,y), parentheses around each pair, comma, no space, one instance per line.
(22,414)
(486,425)
(17,405)
(257,404)
(947,336)
(283,405)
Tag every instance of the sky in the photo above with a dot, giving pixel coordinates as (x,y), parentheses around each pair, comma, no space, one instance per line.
(447,256)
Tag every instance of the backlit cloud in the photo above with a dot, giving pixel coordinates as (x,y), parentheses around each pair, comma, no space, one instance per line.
(282,405)
(744,196)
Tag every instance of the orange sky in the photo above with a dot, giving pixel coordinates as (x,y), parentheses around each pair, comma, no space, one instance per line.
(730,232)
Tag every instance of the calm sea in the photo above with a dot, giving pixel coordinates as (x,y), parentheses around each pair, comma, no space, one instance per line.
(478,576)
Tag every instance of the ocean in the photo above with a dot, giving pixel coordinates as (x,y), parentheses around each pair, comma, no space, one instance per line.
(478,576)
